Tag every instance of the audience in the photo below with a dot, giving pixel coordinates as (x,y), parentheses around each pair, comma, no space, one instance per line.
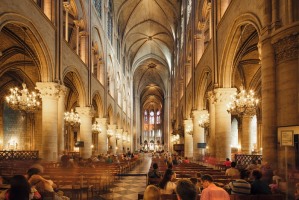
(233,172)
(258,186)
(196,184)
(240,186)
(152,193)
(19,189)
(227,162)
(186,160)
(166,185)
(155,172)
(211,191)
(186,190)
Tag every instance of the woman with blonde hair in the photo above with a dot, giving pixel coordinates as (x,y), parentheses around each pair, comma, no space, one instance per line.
(152,193)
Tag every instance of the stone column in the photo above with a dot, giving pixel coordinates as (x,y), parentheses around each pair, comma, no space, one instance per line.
(49,94)
(119,133)
(67,7)
(268,102)
(125,137)
(102,137)
(223,122)
(287,86)
(85,114)
(112,140)
(246,139)
(209,8)
(61,110)
(48,8)
(78,25)
(188,139)
(83,46)
(199,45)
(211,148)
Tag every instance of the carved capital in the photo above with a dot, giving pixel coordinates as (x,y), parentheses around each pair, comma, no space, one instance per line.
(79,23)
(83,34)
(224,95)
(197,113)
(62,91)
(211,97)
(286,48)
(85,111)
(67,6)
(48,89)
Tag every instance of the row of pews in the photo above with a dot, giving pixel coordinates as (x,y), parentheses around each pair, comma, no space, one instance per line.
(188,170)
(76,182)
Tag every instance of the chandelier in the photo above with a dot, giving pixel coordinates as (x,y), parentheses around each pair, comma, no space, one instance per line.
(95,127)
(118,136)
(124,138)
(204,120)
(175,138)
(243,103)
(23,100)
(109,133)
(189,130)
(72,119)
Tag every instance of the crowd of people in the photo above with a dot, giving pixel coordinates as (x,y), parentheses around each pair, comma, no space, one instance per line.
(71,161)
(256,178)
(31,186)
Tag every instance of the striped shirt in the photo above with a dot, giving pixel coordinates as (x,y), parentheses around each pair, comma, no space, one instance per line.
(239,186)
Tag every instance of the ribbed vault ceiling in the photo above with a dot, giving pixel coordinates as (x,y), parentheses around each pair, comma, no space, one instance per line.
(147,29)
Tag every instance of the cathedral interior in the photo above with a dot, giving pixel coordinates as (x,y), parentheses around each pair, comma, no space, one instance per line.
(193,77)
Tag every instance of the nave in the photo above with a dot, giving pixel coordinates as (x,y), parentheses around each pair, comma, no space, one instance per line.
(128,187)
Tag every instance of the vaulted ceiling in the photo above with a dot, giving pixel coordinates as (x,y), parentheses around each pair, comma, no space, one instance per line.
(148,31)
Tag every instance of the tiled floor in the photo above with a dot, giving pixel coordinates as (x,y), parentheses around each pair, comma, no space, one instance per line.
(127,187)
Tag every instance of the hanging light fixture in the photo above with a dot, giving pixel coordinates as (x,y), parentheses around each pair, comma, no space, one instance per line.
(204,120)
(243,103)
(109,133)
(72,119)
(118,136)
(95,127)
(23,99)
(189,130)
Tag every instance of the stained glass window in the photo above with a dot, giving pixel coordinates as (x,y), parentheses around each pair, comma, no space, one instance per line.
(98,6)
(110,22)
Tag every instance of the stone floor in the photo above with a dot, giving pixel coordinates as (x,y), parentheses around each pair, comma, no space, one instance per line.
(128,187)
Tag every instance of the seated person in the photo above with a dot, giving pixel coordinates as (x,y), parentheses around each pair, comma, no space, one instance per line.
(233,172)
(166,185)
(152,193)
(186,160)
(240,186)
(185,190)
(196,184)
(258,186)
(41,184)
(19,189)
(227,162)
(154,173)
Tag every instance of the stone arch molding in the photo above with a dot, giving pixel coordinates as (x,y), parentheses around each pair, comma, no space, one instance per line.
(204,81)
(99,100)
(78,84)
(225,69)
(42,51)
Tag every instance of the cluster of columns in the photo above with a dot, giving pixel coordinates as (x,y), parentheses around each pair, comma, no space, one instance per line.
(52,144)
(219,133)
(219,138)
